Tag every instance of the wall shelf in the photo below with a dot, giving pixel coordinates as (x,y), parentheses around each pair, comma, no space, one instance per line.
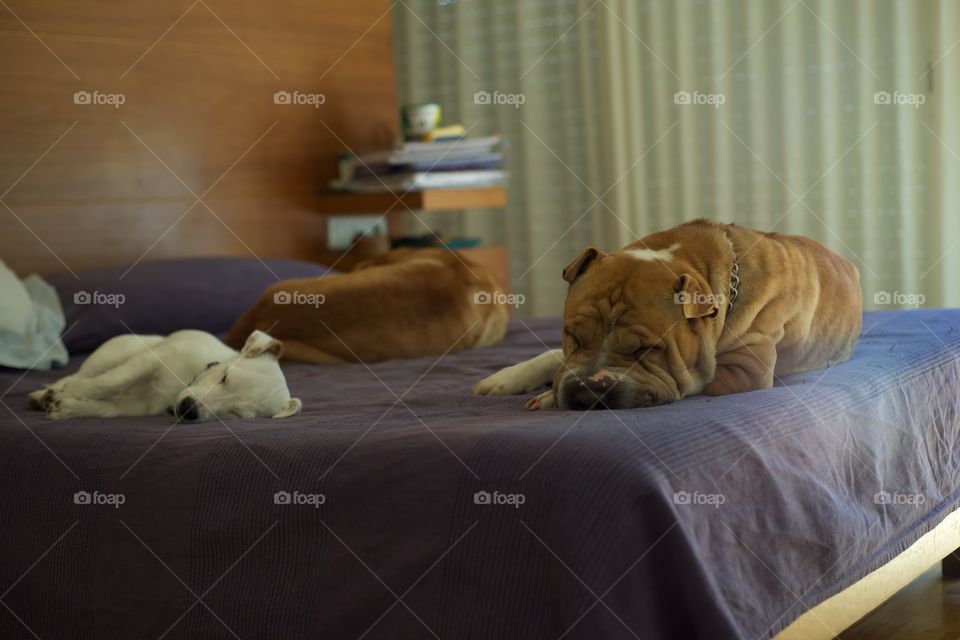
(493,257)
(345,203)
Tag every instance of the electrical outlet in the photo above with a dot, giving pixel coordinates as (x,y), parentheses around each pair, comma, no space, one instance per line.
(341,230)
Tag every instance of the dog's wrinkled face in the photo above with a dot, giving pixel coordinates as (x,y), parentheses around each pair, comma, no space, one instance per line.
(248,385)
(639,331)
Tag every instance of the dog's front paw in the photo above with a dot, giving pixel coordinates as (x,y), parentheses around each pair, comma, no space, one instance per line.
(35,399)
(488,387)
(506,382)
(545,400)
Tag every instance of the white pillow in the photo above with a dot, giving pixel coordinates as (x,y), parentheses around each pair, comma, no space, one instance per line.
(31,321)
(16,312)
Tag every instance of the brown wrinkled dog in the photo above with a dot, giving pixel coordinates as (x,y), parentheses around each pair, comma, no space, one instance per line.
(701,308)
(404,304)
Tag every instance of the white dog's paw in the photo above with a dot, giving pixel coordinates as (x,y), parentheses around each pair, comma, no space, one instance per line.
(506,382)
(63,407)
(54,406)
(50,397)
(545,400)
(58,406)
(35,399)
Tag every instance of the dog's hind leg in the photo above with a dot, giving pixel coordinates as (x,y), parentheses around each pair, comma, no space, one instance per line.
(521,378)
(114,352)
(67,406)
(748,368)
(303,352)
(109,356)
(40,399)
(112,382)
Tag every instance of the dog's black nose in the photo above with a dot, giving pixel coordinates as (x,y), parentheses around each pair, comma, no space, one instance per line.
(581,399)
(585,395)
(187,409)
(584,398)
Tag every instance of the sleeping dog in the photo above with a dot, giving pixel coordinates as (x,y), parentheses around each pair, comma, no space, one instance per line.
(406,303)
(701,308)
(188,374)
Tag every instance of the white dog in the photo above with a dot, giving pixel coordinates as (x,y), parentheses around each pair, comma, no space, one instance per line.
(188,374)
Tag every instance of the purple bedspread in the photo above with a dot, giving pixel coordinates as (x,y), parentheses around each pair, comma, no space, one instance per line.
(398,506)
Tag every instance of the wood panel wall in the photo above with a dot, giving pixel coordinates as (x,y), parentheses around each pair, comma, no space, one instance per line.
(85,185)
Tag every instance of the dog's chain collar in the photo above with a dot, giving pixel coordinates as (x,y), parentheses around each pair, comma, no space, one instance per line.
(734,277)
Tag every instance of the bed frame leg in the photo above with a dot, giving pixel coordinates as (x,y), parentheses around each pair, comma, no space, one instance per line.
(951,565)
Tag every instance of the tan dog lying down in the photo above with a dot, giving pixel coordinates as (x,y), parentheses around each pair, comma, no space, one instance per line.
(404,304)
(701,308)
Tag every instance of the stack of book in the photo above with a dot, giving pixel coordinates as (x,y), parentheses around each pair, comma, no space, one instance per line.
(457,164)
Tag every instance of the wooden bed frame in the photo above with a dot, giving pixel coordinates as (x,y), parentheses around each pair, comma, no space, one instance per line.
(835,614)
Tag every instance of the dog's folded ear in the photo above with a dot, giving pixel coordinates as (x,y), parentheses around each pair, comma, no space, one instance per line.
(696,302)
(579,264)
(260,343)
(293,408)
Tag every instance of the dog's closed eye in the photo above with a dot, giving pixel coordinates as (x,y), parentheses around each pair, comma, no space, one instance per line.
(652,349)
(211,364)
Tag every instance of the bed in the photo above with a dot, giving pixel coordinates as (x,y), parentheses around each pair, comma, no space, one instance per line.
(398,506)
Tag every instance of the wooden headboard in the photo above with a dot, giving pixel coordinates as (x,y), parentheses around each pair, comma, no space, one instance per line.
(85,185)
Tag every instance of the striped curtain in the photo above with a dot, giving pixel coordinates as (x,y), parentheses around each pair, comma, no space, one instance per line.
(826,118)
